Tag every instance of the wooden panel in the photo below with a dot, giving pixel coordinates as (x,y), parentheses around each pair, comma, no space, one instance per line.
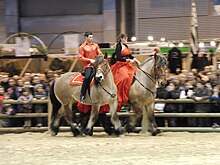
(170,8)
(59,24)
(2,21)
(155,18)
(164,27)
(208,27)
(162,8)
(59,7)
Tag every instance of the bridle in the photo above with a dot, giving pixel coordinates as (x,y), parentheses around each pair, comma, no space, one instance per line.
(154,79)
(105,69)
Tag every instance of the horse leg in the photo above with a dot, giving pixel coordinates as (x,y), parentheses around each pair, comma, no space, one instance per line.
(145,124)
(92,119)
(55,121)
(106,123)
(115,119)
(55,116)
(134,119)
(152,121)
(68,117)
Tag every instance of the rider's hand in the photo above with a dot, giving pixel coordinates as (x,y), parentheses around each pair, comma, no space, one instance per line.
(137,61)
(132,61)
(92,61)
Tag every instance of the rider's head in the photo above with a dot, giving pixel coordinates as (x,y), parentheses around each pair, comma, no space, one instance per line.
(88,36)
(122,38)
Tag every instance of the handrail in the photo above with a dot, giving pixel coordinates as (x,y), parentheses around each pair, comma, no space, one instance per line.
(179,101)
(120,114)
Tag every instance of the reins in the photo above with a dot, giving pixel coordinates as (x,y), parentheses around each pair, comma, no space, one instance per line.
(153,79)
(111,94)
(105,74)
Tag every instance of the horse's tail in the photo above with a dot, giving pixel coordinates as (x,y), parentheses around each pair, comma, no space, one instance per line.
(56,105)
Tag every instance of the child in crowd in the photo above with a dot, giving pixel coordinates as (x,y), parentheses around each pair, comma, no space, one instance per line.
(26,107)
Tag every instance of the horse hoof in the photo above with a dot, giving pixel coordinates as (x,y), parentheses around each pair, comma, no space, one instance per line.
(119,131)
(76,132)
(129,128)
(54,131)
(88,132)
(154,133)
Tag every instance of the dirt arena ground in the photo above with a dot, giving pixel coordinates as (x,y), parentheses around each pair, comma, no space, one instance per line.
(173,148)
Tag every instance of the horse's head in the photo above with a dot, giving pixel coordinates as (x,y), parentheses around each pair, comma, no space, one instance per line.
(101,67)
(160,67)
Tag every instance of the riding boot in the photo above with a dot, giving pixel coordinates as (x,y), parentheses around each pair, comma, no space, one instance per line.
(106,123)
(83,90)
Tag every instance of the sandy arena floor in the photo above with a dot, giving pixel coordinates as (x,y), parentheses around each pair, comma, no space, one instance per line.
(169,148)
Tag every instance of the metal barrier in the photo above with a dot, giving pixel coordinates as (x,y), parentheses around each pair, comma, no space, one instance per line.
(120,114)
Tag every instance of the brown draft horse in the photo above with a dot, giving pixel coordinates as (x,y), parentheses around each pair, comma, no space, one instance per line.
(143,92)
(63,96)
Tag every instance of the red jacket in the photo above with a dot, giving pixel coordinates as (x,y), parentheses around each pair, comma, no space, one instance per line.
(88,51)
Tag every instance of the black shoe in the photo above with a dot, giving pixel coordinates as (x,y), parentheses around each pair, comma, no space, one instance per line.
(82,99)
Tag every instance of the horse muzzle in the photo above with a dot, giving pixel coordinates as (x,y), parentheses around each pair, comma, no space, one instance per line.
(99,77)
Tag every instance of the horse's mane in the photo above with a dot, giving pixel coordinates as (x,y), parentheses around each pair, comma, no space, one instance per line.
(98,60)
(160,60)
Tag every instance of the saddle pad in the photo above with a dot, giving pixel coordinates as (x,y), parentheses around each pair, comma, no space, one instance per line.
(78,80)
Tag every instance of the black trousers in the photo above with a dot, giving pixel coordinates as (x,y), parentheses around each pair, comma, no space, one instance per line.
(89,73)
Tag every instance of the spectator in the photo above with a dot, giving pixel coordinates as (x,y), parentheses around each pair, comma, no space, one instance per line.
(39,94)
(201,94)
(174,93)
(26,107)
(215,97)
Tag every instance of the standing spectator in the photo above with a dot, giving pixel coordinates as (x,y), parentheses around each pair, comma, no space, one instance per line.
(19,87)
(174,93)
(189,107)
(4,82)
(40,94)
(216,106)
(175,60)
(201,93)
(12,89)
(1,98)
(26,98)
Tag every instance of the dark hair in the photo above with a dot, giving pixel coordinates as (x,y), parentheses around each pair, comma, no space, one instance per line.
(87,34)
(122,35)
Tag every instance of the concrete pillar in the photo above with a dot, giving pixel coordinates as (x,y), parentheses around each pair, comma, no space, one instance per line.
(2,21)
(123,17)
(12,16)
(109,20)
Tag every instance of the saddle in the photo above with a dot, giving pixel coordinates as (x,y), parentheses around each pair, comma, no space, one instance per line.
(78,80)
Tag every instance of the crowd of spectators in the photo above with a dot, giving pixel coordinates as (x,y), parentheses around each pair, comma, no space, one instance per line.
(199,86)
(31,86)
(203,85)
